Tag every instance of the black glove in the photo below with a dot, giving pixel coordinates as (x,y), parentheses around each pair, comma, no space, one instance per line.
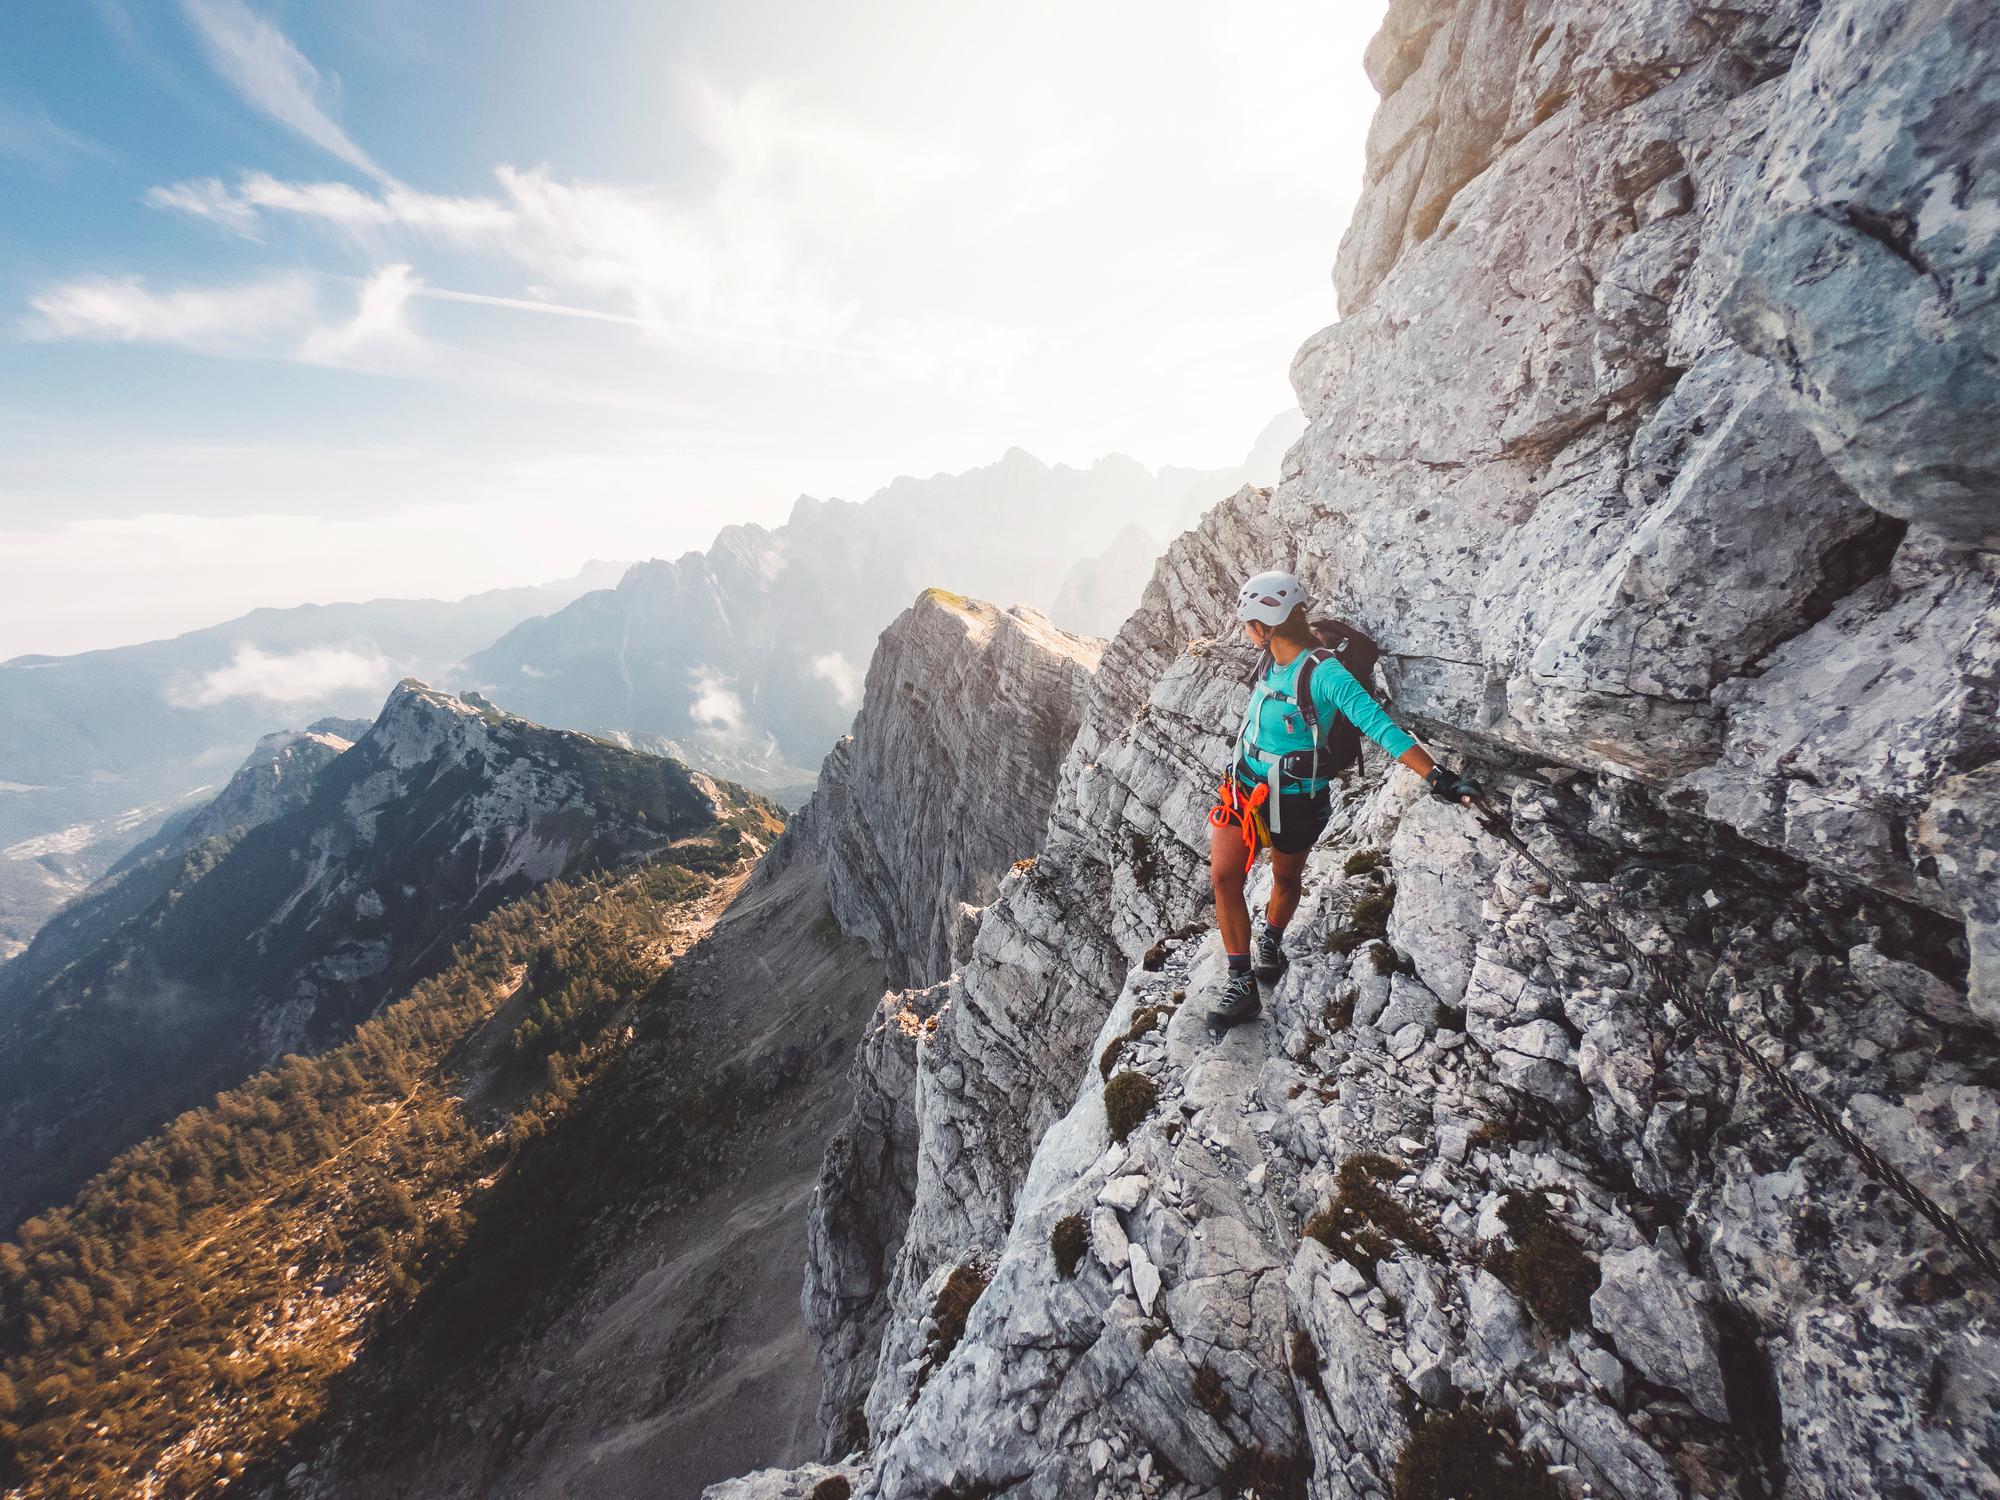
(1449,785)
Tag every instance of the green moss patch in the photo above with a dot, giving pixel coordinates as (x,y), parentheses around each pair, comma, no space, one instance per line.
(1468,1455)
(1067,1242)
(1128,1099)
(1365,1221)
(1366,919)
(1364,862)
(1546,1267)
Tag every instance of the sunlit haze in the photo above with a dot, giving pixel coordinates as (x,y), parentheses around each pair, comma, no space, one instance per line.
(315,301)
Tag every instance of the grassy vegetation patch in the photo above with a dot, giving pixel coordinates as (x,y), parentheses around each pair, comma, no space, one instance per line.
(1364,862)
(1493,1134)
(1365,1221)
(1211,1393)
(962,1288)
(1465,1454)
(1146,1018)
(1128,1099)
(1267,1475)
(1545,1267)
(1367,918)
(1067,1242)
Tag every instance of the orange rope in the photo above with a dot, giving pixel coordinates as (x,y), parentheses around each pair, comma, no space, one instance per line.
(1242,810)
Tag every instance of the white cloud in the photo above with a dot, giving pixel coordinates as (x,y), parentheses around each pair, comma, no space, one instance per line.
(841,674)
(286,318)
(245,318)
(261,64)
(207,198)
(745,261)
(715,707)
(379,325)
(311,675)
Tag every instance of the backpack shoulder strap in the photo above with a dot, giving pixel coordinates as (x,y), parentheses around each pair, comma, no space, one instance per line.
(1302,687)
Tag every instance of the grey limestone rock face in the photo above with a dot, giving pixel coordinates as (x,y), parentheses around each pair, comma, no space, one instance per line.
(948,774)
(1865,256)
(920,813)
(1648,1308)
(1661,480)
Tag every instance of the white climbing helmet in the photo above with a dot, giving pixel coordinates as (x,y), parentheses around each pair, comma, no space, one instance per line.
(1270,597)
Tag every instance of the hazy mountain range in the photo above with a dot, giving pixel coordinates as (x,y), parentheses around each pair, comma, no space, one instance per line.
(745,659)
(97,750)
(759,644)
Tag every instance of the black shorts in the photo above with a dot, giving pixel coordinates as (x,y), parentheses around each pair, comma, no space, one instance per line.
(1303,818)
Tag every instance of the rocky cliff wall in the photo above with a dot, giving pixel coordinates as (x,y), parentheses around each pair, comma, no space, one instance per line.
(948,775)
(1656,448)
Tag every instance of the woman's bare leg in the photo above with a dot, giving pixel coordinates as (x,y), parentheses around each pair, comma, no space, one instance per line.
(1287,870)
(1226,874)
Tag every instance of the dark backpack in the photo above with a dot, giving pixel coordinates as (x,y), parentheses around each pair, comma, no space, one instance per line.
(1340,741)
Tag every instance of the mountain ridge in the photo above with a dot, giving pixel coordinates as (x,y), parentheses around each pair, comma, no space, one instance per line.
(281,935)
(707,647)
(102,747)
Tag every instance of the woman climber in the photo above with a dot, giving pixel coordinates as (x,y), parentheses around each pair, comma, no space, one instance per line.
(1299,730)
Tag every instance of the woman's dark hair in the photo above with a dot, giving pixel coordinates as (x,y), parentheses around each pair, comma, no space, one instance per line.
(1297,628)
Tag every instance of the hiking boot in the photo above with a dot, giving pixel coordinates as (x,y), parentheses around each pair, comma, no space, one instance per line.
(1270,962)
(1239,1003)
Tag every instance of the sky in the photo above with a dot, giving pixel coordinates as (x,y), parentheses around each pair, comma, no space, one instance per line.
(304,300)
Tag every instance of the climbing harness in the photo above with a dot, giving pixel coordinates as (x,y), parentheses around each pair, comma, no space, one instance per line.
(1242,810)
(1717,1024)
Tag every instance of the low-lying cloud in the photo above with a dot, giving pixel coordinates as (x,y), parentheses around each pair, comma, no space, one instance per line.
(715,706)
(311,675)
(842,675)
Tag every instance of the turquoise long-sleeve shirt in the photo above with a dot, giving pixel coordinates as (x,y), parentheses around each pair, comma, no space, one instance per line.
(1275,724)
